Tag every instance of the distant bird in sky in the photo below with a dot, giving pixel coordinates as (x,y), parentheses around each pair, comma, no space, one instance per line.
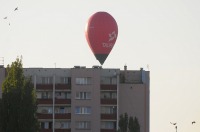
(16,8)
(173,123)
(193,122)
(5,17)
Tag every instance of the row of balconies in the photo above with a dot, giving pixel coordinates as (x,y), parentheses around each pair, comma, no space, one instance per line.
(68,116)
(50,86)
(57,101)
(69,130)
(68,87)
(57,116)
(68,101)
(56,130)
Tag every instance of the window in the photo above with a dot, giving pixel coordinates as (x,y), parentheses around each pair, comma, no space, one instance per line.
(45,109)
(83,81)
(46,125)
(83,110)
(108,109)
(83,95)
(46,95)
(65,80)
(63,95)
(67,95)
(83,125)
(108,80)
(108,125)
(62,109)
(47,80)
(62,124)
(108,95)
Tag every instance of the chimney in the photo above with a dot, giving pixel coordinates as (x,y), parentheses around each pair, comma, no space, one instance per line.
(1,62)
(125,67)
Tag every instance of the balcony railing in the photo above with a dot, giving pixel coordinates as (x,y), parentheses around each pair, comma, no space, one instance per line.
(45,101)
(109,101)
(57,101)
(62,101)
(44,116)
(62,130)
(108,87)
(109,116)
(108,130)
(56,130)
(63,87)
(57,116)
(44,86)
(46,130)
(63,116)
(50,86)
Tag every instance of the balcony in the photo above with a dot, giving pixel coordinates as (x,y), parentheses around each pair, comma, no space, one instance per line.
(45,101)
(57,101)
(62,130)
(56,130)
(109,116)
(108,130)
(57,116)
(108,87)
(63,116)
(44,116)
(62,101)
(50,87)
(46,130)
(44,86)
(109,101)
(63,87)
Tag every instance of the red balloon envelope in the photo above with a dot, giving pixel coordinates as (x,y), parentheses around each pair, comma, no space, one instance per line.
(101,34)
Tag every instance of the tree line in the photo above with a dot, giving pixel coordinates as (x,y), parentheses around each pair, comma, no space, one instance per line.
(18,105)
(128,124)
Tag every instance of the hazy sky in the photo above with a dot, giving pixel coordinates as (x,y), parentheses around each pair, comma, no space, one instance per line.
(165,34)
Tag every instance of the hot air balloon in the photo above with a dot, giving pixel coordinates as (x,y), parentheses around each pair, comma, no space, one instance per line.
(101,34)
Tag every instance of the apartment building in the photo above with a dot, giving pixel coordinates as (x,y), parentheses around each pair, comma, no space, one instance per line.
(81,99)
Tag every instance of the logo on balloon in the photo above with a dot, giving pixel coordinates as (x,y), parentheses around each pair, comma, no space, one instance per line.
(111,36)
(107,45)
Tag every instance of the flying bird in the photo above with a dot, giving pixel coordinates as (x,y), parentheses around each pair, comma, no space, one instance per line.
(5,17)
(173,123)
(16,8)
(193,122)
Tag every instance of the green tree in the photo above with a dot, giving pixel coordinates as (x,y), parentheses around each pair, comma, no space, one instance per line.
(136,125)
(128,124)
(19,106)
(123,122)
(131,124)
(0,115)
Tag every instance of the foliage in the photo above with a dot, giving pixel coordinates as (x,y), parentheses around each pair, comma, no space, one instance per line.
(131,124)
(123,122)
(0,115)
(128,124)
(136,127)
(19,106)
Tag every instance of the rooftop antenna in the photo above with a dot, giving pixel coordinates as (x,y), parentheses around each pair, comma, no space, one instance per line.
(148,67)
